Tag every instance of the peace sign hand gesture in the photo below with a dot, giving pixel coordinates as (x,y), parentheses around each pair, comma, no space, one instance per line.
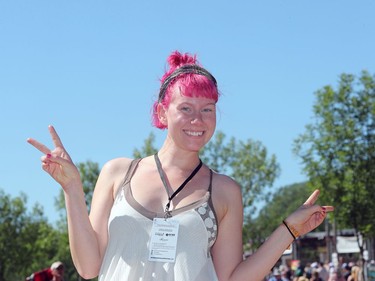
(308,216)
(57,162)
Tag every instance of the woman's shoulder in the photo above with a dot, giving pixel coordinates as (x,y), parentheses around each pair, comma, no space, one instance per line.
(225,183)
(113,172)
(117,165)
(116,168)
(226,194)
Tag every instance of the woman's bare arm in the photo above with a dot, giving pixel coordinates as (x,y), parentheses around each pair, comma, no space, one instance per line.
(227,251)
(87,244)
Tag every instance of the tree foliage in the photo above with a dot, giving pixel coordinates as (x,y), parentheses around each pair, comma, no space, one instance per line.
(27,240)
(247,162)
(147,148)
(338,150)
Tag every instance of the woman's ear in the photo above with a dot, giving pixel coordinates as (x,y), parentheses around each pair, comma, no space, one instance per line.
(162,114)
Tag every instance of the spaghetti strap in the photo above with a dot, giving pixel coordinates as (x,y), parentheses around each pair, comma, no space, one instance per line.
(131,170)
(129,174)
(210,198)
(210,185)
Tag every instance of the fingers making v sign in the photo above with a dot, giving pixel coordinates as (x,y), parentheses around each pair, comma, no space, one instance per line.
(309,215)
(57,162)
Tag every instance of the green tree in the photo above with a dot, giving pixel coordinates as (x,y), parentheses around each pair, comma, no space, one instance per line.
(27,241)
(147,149)
(248,163)
(338,151)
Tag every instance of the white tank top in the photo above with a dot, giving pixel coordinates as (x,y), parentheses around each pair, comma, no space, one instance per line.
(129,228)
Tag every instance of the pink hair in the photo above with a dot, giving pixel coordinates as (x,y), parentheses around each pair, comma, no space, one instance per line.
(190,84)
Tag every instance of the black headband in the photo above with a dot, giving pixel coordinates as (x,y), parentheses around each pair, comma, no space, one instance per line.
(187,68)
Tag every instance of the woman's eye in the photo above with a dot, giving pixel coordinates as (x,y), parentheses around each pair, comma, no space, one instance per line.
(185,108)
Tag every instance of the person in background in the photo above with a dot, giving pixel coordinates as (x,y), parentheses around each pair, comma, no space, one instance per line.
(354,273)
(336,275)
(53,273)
(315,276)
(286,273)
(277,275)
(302,274)
(169,216)
(346,270)
(323,272)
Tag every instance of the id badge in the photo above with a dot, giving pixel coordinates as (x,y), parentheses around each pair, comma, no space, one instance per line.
(163,243)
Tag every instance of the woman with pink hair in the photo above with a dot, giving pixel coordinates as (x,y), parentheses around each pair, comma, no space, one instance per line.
(169,216)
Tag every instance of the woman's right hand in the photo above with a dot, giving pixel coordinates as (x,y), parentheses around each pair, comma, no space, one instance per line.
(57,162)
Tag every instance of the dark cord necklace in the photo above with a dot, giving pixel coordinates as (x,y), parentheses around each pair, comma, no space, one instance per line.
(162,177)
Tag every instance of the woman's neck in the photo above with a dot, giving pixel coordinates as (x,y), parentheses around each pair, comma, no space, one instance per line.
(178,159)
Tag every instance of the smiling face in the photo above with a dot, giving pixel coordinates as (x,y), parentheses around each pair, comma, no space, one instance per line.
(191,121)
(190,84)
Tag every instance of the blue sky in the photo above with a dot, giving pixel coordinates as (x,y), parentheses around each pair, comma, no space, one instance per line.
(91,69)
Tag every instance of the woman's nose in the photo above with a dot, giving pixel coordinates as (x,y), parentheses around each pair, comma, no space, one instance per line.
(197,117)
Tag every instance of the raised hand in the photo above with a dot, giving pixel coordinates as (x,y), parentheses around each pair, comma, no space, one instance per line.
(57,162)
(308,216)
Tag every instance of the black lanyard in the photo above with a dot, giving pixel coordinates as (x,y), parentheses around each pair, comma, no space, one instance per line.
(162,176)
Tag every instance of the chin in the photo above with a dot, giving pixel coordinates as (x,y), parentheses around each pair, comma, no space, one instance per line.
(196,148)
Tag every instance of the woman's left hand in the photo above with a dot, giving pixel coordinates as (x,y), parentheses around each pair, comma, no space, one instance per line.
(308,216)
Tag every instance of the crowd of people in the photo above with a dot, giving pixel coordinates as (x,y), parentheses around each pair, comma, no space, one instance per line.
(317,271)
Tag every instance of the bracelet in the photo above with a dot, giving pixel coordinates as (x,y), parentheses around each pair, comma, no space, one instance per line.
(291,230)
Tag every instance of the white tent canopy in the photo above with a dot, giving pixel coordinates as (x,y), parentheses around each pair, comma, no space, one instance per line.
(347,244)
